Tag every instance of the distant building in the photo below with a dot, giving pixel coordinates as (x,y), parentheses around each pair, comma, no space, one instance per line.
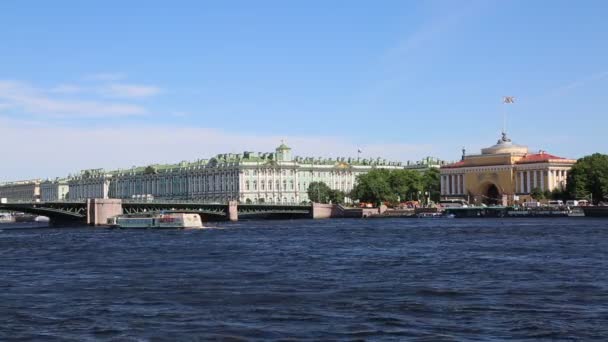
(28,190)
(249,177)
(94,183)
(504,173)
(54,190)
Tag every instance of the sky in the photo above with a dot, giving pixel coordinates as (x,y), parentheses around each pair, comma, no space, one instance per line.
(112,84)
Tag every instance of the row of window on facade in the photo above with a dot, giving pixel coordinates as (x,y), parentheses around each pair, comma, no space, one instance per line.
(301,187)
(292,172)
(255,172)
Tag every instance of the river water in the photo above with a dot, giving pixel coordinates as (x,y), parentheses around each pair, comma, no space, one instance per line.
(384,279)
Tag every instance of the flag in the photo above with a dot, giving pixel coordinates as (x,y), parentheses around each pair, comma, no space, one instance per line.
(508,99)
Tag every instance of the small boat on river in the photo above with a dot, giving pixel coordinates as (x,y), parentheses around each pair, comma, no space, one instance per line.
(157,221)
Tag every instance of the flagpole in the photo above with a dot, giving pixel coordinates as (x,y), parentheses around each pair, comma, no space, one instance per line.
(505,100)
(504,117)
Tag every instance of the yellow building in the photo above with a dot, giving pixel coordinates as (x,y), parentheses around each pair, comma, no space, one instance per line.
(503,174)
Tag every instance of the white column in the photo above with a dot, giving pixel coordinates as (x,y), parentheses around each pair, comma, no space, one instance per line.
(542,180)
(528,182)
(461,184)
(443,184)
(451,186)
(521,181)
(535,182)
(464,186)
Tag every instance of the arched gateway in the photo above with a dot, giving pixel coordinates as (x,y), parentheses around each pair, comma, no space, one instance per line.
(492,195)
(504,173)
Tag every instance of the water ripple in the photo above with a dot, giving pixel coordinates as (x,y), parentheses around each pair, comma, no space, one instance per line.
(435,280)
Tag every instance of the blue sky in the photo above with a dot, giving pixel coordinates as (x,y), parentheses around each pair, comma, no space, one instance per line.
(116,83)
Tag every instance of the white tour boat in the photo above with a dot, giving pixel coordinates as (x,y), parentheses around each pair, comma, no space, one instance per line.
(171,220)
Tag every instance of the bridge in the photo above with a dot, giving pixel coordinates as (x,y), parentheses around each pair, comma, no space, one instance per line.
(96,211)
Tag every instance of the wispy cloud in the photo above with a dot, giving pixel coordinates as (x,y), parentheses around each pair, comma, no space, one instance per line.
(66,89)
(564,90)
(443,20)
(121,90)
(170,144)
(105,77)
(35,101)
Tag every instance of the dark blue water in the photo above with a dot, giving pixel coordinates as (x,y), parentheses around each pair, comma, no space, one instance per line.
(428,280)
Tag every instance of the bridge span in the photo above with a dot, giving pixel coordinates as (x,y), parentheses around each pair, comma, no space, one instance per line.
(96,211)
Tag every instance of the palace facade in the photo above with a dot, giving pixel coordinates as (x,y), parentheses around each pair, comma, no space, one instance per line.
(505,173)
(28,190)
(249,177)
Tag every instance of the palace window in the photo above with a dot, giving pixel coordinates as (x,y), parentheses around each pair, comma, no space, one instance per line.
(255,185)
(246,185)
(262,185)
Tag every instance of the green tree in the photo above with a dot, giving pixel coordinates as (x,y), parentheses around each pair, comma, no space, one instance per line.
(336,196)
(373,187)
(406,184)
(559,194)
(537,193)
(150,170)
(319,192)
(431,183)
(588,178)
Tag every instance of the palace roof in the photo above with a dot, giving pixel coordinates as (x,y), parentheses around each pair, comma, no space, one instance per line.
(454,165)
(541,157)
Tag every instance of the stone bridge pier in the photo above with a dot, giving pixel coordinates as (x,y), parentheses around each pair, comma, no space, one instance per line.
(233,211)
(99,210)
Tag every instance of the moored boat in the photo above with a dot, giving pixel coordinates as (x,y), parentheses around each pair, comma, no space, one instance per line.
(429,215)
(6,218)
(596,211)
(157,221)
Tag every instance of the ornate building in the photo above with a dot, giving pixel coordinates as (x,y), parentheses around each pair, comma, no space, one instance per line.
(54,190)
(249,177)
(505,173)
(28,190)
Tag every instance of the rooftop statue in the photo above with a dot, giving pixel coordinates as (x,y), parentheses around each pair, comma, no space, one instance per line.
(504,138)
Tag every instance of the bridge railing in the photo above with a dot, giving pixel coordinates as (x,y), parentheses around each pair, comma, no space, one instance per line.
(38,202)
(158,201)
(194,201)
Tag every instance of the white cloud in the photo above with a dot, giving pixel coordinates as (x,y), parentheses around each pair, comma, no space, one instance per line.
(66,89)
(4,106)
(129,90)
(35,101)
(105,77)
(564,90)
(53,150)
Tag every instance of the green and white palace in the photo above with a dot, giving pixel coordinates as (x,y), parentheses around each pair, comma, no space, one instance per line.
(249,177)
